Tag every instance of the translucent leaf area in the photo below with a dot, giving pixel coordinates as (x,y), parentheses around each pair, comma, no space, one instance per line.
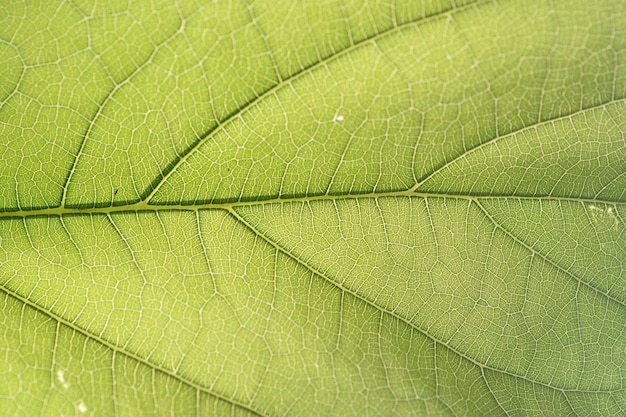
(313,208)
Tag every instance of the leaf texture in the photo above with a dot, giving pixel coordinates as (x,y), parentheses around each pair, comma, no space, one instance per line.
(275,208)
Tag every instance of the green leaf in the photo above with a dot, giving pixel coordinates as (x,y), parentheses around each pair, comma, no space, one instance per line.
(316,208)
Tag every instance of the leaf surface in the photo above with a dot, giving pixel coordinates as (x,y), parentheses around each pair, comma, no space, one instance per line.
(330,208)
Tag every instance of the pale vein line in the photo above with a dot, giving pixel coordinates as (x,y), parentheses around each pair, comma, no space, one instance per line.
(53,362)
(597,106)
(611,182)
(21,77)
(113,381)
(569,404)
(263,36)
(493,395)
(100,109)
(545,258)
(438,397)
(71,238)
(117,349)
(619,216)
(380,343)
(343,288)
(288,82)
(549,58)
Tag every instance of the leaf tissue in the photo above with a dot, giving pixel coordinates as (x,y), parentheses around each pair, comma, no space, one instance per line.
(318,208)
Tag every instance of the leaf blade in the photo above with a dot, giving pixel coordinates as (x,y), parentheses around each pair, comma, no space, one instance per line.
(418,212)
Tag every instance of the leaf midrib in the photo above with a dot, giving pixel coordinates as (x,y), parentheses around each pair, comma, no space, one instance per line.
(144,206)
(413,191)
